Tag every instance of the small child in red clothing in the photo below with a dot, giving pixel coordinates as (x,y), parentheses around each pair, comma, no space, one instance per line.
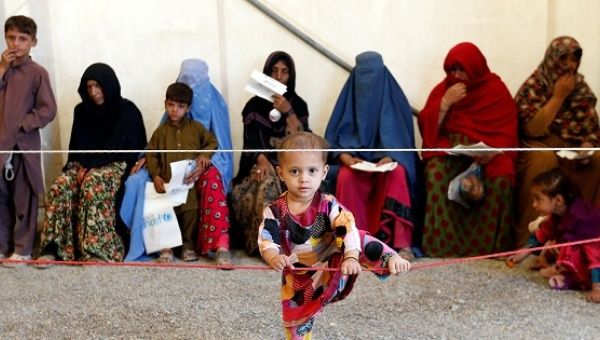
(305,228)
(569,219)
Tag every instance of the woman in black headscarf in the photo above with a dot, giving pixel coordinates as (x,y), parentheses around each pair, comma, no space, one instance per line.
(80,220)
(256,183)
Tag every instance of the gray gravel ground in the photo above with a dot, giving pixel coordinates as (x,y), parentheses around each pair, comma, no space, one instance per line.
(480,300)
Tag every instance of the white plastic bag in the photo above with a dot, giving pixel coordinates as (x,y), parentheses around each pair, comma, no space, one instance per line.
(456,191)
(161,230)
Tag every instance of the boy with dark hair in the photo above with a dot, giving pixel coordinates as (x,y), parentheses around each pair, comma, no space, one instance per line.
(27,104)
(180,132)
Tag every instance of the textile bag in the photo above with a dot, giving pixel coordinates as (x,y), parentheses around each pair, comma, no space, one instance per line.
(161,230)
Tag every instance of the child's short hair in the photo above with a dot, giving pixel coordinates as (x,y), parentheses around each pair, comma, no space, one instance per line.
(553,183)
(303,140)
(22,24)
(180,93)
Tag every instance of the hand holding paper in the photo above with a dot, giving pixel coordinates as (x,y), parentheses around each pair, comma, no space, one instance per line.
(264,86)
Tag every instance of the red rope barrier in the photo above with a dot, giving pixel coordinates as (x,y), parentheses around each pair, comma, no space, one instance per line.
(414,266)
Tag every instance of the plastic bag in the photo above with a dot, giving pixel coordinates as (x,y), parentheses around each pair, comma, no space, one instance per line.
(467,188)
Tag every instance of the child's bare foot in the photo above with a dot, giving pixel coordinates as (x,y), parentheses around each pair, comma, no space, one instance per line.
(594,294)
(548,272)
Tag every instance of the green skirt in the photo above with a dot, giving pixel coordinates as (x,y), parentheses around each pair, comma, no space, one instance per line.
(452,230)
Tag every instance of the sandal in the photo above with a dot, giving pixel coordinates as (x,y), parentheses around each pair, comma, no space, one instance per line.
(223,258)
(16,260)
(188,255)
(166,256)
(45,261)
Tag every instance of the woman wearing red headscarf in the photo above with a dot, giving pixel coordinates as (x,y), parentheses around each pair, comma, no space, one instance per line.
(470,105)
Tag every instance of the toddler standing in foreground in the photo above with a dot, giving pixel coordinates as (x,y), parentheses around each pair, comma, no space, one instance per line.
(307,228)
(568,219)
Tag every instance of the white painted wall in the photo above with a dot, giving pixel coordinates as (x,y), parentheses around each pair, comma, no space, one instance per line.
(145,41)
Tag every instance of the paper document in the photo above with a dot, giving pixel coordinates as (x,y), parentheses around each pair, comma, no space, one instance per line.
(372,167)
(574,155)
(175,191)
(264,86)
(481,147)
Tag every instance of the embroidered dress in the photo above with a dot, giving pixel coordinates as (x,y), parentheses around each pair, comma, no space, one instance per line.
(250,196)
(90,210)
(486,114)
(576,122)
(317,238)
(80,218)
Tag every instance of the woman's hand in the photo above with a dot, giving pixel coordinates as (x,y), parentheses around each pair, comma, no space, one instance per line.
(293,123)
(138,165)
(455,93)
(263,167)
(349,160)
(281,104)
(564,86)
(384,160)
(159,184)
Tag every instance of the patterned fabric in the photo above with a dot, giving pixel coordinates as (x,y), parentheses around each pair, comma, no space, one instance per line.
(576,120)
(248,200)
(452,230)
(80,218)
(316,238)
(580,222)
(213,212)
(380,203)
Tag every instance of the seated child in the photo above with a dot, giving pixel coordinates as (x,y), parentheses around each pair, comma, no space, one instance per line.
(307,228)
(569,219)
(183,133)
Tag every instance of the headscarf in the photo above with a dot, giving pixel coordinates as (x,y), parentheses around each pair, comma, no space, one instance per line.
(209,109)
(372,112)
(577,120)
(117,124)
(487,113)
(259,131)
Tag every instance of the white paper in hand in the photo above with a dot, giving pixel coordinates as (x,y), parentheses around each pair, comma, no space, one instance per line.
(473,150)
(372,167)
(264,86)
(574,155)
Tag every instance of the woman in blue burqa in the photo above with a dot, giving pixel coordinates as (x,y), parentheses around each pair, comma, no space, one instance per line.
(372,112)
(209,108)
